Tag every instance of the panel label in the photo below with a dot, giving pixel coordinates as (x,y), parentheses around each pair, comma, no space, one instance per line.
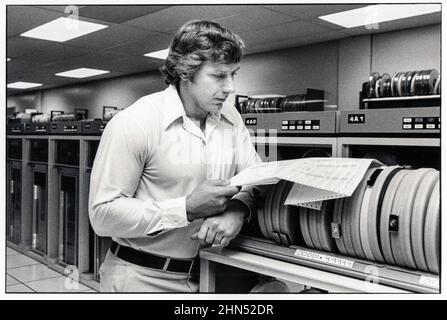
(356,118)
(324,258)
(251,121)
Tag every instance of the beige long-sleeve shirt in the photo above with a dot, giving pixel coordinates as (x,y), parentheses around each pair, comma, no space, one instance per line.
(150,157)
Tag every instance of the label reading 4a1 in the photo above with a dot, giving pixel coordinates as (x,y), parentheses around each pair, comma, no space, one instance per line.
(250,121)
(356,118)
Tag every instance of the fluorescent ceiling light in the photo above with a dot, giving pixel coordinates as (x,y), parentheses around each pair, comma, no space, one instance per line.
(370,15)
(63,29)
(161,54)
(23,85)
(81,73)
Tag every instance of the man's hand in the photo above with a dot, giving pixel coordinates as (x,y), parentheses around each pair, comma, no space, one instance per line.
(209,198)
(223,228)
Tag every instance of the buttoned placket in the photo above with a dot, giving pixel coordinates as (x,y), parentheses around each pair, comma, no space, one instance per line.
(211,123)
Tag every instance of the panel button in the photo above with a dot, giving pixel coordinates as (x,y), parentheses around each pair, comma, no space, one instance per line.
(285,122)
(291,127)
(431,126)
(284,127)
(307,127)
(407,126)
(299,127)
(407,120)
(308,122)
(419,126)
(315,127)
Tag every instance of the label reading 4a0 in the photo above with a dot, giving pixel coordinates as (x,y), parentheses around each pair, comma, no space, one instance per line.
(356,118)
(250,121)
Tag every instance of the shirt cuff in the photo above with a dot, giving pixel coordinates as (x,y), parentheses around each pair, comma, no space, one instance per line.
(173,213)
(246,198)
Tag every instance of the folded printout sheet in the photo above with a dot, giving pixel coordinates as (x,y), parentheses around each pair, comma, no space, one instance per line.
(316,179)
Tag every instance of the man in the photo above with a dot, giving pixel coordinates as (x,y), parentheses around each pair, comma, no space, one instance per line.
(160,180)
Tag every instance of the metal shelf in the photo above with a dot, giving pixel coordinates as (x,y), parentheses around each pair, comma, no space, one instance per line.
(324,270)
(437,96)
(282,270)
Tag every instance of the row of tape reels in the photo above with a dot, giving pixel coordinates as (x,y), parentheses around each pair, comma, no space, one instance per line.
(393,217)
(400,84)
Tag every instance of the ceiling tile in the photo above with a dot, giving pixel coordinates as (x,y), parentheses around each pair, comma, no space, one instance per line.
(19,46)
(53,52)
(103,60)
(304,11)
(23,18)
(109,37)
(170,19)
(290,30)
(296,42)
(413,22)
(59,8)
(136,65)
(118,14)
(153,41)
(19,65)
(255,19)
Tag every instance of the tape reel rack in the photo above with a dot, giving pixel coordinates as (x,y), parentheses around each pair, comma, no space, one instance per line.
(388,232)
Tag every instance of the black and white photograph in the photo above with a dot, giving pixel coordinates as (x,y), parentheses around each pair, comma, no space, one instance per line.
(275,149)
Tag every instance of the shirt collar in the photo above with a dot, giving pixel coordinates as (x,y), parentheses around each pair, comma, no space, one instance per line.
(174,109)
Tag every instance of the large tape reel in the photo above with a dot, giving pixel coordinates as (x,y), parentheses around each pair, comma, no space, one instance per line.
(264,215)
(432,235)
(289,221)
(420,206)
(324,219)
(313,228)
(268,215)
(371,213)
(385,215)
(346,233)
(304,226)
(336,226)
(354,213)
(403,209)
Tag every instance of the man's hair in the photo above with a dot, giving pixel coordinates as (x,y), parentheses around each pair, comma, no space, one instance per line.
(196,42)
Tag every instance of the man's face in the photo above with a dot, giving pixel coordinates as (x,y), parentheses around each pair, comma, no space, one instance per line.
(211,86)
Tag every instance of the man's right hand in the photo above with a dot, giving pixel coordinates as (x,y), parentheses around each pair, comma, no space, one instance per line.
(209,198)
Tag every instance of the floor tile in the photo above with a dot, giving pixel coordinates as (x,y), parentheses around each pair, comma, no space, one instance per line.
(11,252)
(10,280)
(18,288)
(33,272)
(59,284)
(89,291)
(19,260)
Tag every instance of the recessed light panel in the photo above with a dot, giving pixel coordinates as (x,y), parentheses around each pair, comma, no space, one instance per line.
(81,73)
(161,54)
(63,29)
(379,13)
(23,85)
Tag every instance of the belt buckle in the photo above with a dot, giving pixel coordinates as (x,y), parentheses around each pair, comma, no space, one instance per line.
(165,267)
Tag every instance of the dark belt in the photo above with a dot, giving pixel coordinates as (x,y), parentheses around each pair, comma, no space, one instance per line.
(149,260)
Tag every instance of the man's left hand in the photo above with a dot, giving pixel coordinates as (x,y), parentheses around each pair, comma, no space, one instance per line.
(222,228)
